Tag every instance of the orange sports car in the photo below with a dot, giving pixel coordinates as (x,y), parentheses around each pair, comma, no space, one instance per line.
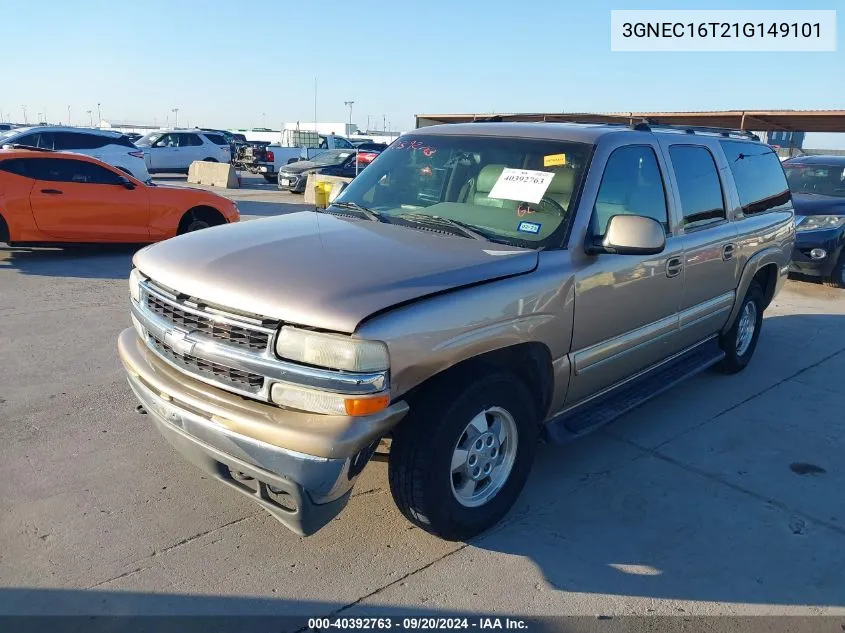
(49,197)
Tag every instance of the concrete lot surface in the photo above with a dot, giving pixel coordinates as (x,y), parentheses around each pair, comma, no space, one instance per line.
(723,496)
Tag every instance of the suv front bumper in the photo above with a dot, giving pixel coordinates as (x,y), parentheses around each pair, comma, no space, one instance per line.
(304,484)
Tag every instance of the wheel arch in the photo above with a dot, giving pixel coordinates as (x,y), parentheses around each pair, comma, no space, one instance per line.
(763,267)
(530,362)
(202,212)
(4,230)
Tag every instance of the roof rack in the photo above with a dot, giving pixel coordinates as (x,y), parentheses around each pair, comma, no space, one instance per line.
(646,126)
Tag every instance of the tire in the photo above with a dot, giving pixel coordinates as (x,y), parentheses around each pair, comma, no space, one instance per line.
(422,480)
(210,160)
(837,277)
(195,225)
(738,352)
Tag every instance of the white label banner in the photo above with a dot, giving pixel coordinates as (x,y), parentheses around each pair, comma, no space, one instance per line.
(723,30)
(522,185)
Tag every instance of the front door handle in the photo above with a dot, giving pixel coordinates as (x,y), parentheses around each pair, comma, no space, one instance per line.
(728,251)
(52,192)
(674,266)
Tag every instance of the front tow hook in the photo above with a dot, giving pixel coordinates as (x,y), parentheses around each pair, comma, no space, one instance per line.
(140,409)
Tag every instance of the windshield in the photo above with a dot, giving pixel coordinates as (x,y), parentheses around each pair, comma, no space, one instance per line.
(149,139)
(332,157)
(9,134)
(825,180)
(514,190)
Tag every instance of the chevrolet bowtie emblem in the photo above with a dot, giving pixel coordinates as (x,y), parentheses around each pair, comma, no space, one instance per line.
(178,341)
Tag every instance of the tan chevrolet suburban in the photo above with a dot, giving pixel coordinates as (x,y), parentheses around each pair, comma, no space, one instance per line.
(477,288)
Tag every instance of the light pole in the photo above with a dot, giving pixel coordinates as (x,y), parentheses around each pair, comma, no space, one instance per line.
(39,117)
(264,120)
(90,118)
(23,107)
(175,112)
(68,115)
(349,105)
(99,116)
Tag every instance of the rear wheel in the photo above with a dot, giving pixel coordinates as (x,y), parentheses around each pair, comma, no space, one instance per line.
(740,341)
(210,160)
(461,457)
(837,276)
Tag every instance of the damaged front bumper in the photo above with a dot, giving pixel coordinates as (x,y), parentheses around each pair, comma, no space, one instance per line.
(304,483)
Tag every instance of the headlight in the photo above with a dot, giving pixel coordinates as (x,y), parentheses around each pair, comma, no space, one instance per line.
(135,278)
(335,351)
(818,222)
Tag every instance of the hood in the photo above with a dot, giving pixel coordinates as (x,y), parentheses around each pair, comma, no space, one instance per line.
(315,269)
(815,204)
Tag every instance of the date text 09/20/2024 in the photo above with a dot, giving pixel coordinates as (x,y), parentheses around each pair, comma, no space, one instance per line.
(416,623)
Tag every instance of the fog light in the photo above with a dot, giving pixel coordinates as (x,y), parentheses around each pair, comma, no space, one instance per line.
(818,253)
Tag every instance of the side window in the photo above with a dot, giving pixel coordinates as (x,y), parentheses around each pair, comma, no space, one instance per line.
(187,140)
(75,141)
(702,202)
(342,143)
(168,140)
(46,140)
(217,139)
(30,140)
(76,171)
(759,177)
(324,144)
(631,185)
(15,166)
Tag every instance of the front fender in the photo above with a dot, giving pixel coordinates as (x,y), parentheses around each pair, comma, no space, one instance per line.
(431,335)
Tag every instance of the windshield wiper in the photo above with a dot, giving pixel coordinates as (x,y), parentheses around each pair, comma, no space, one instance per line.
(459,228)
(375,216)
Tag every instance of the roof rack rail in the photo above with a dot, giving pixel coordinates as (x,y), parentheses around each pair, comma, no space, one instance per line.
(648,126)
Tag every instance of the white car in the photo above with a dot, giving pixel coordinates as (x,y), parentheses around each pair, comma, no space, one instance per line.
(110,147)
(175,150)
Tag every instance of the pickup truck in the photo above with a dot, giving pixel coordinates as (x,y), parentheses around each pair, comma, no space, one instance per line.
(259,157)
(476,288)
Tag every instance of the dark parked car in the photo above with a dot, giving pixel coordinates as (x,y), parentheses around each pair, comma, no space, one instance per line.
(334,162)
(818,193)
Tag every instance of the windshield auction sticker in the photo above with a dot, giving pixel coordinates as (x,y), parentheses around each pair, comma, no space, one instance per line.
(522,185)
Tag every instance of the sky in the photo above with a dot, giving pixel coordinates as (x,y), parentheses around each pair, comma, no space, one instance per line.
(246,64)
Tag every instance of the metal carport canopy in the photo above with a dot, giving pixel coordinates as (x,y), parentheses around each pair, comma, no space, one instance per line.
(755,120)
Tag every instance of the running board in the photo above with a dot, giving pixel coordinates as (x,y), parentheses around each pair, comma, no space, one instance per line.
(584,418)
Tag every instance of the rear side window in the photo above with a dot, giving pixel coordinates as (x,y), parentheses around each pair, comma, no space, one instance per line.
(186,140)
(631,185)
(77,141)
(123,141)
(759,177)
(695,170)
(15,166)
(217,139)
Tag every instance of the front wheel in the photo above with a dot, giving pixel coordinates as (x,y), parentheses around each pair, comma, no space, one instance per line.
(461,457)
(740,341)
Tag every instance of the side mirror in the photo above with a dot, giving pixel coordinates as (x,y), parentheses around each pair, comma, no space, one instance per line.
(128,184)
(630,235)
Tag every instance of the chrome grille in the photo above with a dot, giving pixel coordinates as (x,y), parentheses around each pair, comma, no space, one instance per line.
(219,373)
(209,325)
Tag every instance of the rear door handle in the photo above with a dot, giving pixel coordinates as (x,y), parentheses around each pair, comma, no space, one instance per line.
(728,251)
(674,266)
(52,192)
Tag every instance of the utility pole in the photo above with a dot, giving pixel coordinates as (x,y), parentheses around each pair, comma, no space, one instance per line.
(90,118)
(175,112)
(315,104)
(349,105)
